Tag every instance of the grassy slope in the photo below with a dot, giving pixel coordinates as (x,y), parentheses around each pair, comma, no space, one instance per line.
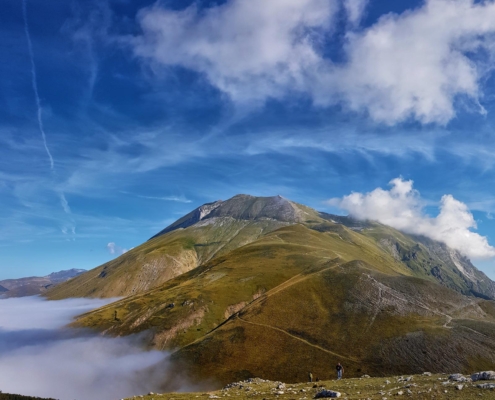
(297,301)
(300,297)
(207,294)
(374,323)
(163,258)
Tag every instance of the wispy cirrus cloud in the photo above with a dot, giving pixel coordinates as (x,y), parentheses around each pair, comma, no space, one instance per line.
(179,199)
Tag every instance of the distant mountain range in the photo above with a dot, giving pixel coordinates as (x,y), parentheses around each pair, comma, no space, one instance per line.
(34,285)
(263,286)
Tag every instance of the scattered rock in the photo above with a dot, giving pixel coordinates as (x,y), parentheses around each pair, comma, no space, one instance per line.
(327,394)
(427,373)
(366,376)
(483,376)
(459,378)
(486,386)
(459,387)
(400,393)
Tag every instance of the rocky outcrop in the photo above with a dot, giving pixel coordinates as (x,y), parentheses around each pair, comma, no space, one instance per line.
(242,207)
(483,376)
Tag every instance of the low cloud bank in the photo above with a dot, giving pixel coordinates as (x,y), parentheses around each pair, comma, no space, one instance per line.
(402,208)
(39,357)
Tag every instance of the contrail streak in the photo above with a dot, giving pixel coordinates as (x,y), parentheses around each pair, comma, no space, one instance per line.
(35,84)
(63,201)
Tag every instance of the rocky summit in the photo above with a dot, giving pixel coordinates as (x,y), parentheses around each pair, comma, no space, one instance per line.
(266,287)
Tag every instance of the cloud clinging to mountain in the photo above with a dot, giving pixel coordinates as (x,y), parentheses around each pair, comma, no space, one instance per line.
(413,65)
(402,208)
(115,249)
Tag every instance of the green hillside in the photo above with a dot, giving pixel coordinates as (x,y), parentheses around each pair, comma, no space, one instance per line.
(267,287)
(166,256)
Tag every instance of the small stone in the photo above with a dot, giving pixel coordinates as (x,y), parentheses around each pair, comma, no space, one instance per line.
(459,387)
(400,393)
(427,373)
(366,376)
(387,382)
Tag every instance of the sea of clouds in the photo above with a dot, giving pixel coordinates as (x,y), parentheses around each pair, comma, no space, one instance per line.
(39,356)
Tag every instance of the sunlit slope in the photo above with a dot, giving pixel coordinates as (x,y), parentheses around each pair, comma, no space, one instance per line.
(210,230)
(164,257)
(215,229)
(207,296)
(371,322)
(433,260)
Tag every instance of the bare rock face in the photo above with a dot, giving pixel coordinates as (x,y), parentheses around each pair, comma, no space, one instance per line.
(241,207)
(192,218)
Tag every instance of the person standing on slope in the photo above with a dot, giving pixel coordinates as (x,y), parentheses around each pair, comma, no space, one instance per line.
(340,370)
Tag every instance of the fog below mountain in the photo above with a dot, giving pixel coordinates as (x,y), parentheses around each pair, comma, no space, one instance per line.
(40,357)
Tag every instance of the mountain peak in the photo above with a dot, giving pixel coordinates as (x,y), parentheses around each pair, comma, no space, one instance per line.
(242,207)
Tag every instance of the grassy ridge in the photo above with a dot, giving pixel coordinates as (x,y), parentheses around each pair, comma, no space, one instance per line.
(163,258)
(298,299)
(335,315)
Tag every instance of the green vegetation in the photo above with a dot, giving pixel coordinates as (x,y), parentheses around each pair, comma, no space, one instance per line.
(434,387)
(7,396)
(272,288)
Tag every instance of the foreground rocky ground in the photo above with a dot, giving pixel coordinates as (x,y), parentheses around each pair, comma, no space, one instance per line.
(425,386)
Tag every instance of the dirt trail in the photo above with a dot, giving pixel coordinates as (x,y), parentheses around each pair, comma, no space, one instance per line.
(300,339)
(292,281)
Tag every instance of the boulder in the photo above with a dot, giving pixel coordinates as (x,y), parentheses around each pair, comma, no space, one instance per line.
(483,376)
(327,394)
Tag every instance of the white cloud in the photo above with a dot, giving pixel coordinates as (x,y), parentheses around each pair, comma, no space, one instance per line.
(114,249)
(414,65)
(355,10)
(402,208)
(249,49)
(39,357)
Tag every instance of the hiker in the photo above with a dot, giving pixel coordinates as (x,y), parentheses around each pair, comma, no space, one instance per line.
(340,370)
(310,377)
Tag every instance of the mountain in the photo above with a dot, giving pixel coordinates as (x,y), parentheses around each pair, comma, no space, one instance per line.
(34,285)
(209,231)
(275,289)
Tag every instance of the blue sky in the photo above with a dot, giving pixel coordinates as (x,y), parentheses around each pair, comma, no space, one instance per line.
(150,109)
